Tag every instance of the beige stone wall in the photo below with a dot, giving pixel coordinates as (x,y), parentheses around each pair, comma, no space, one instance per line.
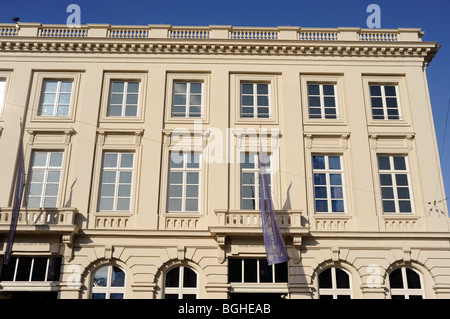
(146,241)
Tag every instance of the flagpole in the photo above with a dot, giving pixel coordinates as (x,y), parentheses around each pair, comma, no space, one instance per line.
(19,184)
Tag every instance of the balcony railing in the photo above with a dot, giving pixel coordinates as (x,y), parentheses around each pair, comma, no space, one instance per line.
(210,32)
(40,219)
(250,223)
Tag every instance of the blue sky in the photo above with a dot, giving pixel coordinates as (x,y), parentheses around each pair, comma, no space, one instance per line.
(431,16)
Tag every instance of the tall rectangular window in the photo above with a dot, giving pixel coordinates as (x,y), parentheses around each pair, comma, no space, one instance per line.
(116,181)
(395,184)
(56,98)
(44,179)
(255,100)
(184,182)
(2,94)
(250,180)
(187,99)
(123,98)
(322,101)
(384,102)
(328,184)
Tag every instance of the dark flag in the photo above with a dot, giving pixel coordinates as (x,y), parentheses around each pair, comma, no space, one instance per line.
(273,241)
(18,192)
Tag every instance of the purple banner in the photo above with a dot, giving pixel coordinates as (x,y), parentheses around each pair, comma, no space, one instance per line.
(273,241)
(18,192)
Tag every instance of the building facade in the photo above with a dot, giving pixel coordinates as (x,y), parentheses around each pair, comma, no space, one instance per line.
(141,150)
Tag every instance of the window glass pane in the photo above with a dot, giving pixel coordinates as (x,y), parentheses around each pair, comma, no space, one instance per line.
(377,102)
(247,88)
(413,279)
(117,277)
(192,191)
(54,269)
(320,192)
(7,272)
(189,296)
(265,271)
(334,162)
(176,160)
(405,206)
(132,99)
(125,177)
(35,189)
(39,159)
(110,176)
(51,189)
(401,179)
(180,100)
(50,86)
(170,296)
(321,206)
(180,87)
(24,269)
(176,178)
(250,270)
(342,279)
(191,205)
(173,277)
(123,204)
(337,206)
(314,101)
(375,90)
(263,100)
(115,295)
(385,179)
(389,90)
(56,159)
(234,270)
(383,163)
(388,206)
(195,100)
(110,160)
(133,87)
(395,278)
(131,110)
(248,204)
(320,179)
(189,278)
(50,202)
(247,100)
(63,110)
(115,110)
(196,87)
(336,192)
(262,89)
(192,177)
(174,205)
(399,163)
(328,90)
(313,89)
(335,179)
(116,98)
(325,279)
(117,86)
(193,161)
(33,202)
(387,193)
(330,102)
(101,277)
(403,192)
(99,296)
(281,272)
(126,160)
(106,203)
(319,162)
(39,269)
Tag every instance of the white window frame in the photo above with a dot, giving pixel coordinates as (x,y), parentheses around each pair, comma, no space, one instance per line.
(407,292)
(123,104)
(108,290)
(258,276)
(255,171)
(188,105)
(334,291)
(327,171)
(180,290)
(384,103)
(393,172)
(117,169)
(46,168)
(30,278)
(255,95)
(322,101)
(57,95)
(185,170)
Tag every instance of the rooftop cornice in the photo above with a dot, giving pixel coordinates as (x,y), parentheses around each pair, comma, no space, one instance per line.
(166,39)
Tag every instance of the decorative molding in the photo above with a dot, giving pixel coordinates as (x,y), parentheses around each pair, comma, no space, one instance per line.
(221,252)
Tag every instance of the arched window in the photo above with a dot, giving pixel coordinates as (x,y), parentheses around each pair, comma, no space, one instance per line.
(180,283)
(406,283)
(334,283)
(108,282)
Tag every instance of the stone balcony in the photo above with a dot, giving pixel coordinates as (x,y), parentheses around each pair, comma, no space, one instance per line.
(249,223)
(35,220)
